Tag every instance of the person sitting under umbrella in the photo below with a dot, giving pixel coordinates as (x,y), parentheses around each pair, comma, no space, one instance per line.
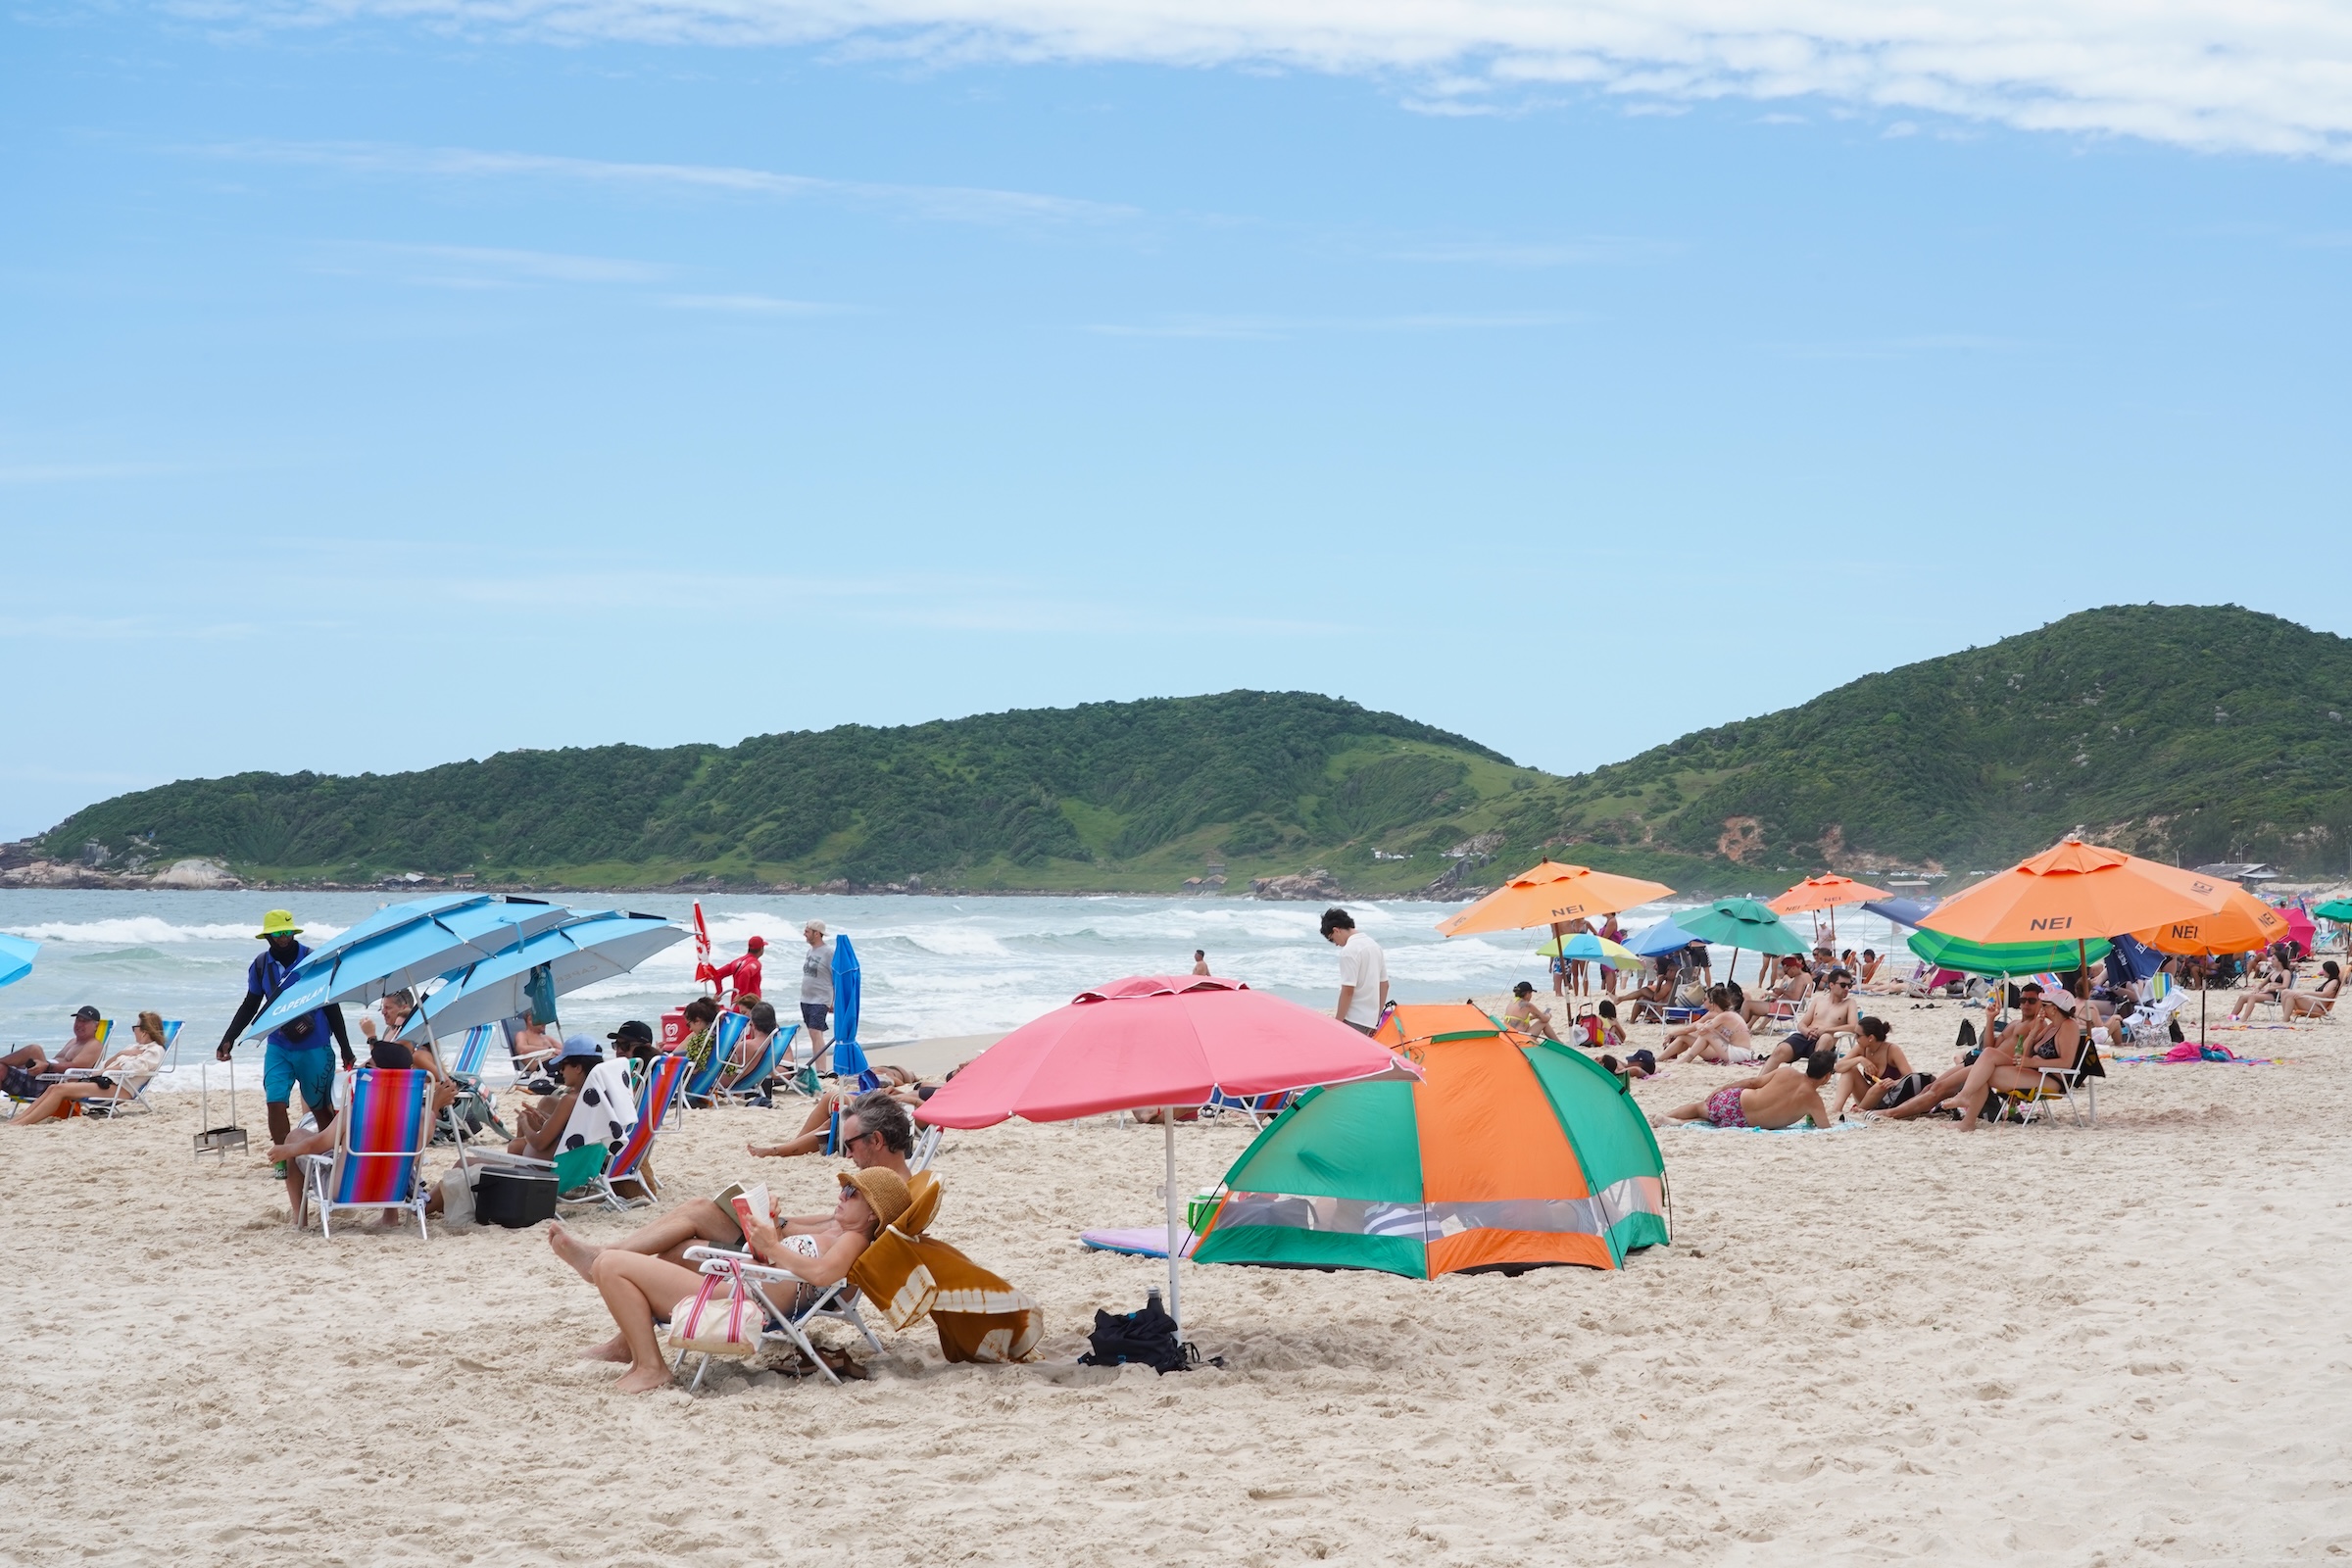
(897,1084)
(1779,1098)
(2293,1004)
(2044,1030)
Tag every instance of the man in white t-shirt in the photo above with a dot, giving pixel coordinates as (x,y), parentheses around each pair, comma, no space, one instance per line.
(1363,973)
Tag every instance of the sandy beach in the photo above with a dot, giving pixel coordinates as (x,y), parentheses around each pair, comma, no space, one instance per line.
(2046,1344)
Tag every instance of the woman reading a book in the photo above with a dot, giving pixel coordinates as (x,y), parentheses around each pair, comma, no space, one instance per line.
(641,1290)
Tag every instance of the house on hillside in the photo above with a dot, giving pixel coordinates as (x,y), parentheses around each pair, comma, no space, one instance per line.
(2234,871)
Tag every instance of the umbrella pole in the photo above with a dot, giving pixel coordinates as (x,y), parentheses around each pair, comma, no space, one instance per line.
(1167,1126)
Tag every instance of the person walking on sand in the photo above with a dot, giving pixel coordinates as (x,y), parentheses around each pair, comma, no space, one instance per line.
(816,993)
(1363,973)
(297,1055)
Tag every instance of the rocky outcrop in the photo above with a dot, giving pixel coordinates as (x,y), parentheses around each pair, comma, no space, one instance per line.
(1313,884)
(196,873)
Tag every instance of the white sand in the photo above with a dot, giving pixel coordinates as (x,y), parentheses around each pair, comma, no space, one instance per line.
(2039,1344)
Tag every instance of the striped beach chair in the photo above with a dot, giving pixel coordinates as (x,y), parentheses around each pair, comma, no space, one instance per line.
(627,1162)
(106,1029)
(725,1035)
(380,1148)
(134,1098)
(464,1067)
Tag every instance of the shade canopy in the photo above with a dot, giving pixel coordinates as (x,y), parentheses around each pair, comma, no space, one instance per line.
(1900,912)
(1509,1153)
(1830,891)
(1741,923)
(409,944)
(1593,948)
(2008,958)
(1658,939)
(2073,892)
(1552,893)
(15,957)
(2241,924)
(391,918)
(2300,927)
(592,947)
(1153,1040)
(2335,910)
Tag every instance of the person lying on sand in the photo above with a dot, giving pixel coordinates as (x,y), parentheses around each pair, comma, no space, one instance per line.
(1779,1097)
(641,1290)
(116,1080)
(2045,1031)
(1828,1013)
(1719,1035)
(1869,1070)
(1523,1016)
(1794,984)
(897,1085)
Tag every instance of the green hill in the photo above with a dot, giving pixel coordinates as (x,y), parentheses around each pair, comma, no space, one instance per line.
(2187,733)
(2181,732)
(1108,796)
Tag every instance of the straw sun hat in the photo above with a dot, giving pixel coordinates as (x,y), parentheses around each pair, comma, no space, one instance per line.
(884,1190)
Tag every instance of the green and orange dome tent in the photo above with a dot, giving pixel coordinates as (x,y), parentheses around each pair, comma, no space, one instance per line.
(1509,1153)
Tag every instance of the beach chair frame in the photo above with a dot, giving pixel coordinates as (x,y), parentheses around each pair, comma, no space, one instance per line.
(699,1087)
(745,1086)
(136,1101)
(323,1174)
(926,1147)
(465,1070)
(838,1301)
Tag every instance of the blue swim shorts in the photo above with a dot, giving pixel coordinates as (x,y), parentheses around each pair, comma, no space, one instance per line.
(311,1068)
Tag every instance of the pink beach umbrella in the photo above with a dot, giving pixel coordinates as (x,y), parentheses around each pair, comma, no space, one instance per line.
(1163,1040)
(2299,926)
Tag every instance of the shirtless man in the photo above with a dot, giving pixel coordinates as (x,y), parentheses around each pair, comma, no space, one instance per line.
(25,1069)
(884,1138)
(1794,985)
(1829,1012)
(1721,1035)
(1781,1097)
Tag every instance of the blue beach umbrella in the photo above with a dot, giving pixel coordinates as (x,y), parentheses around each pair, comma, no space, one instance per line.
(391,918)
(1656,941)
(15,957)
(409,946)
(849,984)
(591,946)
(1901,911)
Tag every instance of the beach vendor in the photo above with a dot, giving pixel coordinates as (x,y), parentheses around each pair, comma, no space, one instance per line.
(742,975)
(297,1053)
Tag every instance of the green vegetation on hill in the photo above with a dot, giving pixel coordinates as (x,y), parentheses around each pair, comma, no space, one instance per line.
(2188,733)
(2182,732)
(1110,795)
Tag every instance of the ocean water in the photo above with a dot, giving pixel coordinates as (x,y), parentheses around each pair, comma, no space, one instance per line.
(932,965)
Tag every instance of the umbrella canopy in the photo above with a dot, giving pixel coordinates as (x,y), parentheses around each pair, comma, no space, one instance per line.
(1593,948)
(1828,891)
(848,992)
(419,946)
(2300,927)
(1510,1152)
(592,947)
(391,918)
(1550,893)
(2335,910)
(2008,958)
(1658,939)
(1154,1039)
(15,957)
(1741,923)
(2073,892)
(1901,911)
(2241,924)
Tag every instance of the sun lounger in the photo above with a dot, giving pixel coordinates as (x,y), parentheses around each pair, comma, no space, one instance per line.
(744,1088)
(380,1148)
(926,1147)
(599,1182)
(458,1119)
(1255,1109)
(133,1098)
(725,1035)
(838,1301)
(2059,1084)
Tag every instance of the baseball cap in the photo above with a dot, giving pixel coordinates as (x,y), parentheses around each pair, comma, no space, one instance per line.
(86,1014)
(634,1032)
(578,1047)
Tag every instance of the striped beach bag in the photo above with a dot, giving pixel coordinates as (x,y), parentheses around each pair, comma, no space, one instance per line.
(722,1318)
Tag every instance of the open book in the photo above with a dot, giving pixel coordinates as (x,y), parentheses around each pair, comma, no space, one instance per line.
(748,1201)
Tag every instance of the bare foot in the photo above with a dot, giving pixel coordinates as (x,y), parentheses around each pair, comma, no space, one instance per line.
(764,1150)
(573,1250)
(644,1380)
(614,1349)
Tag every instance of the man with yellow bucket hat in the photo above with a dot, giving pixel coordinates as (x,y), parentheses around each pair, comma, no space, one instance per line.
(297,1053)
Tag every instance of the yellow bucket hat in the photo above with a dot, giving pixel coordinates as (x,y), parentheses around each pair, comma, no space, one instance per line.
(278,923)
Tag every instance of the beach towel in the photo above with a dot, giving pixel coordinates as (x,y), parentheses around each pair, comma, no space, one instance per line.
(1776,1132)
(1138,1241)
(606,1110)
(911,1275)
(2176,1056)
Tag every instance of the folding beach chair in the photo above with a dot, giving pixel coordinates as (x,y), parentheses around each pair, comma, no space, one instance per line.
(380,1148)
(135,1098)
(725,1035)
(926,1147)
(1255,1109)
(744,1089)
(474,1108)
(838,1301)
(595,1181)
(106,1028)
(2059,1084)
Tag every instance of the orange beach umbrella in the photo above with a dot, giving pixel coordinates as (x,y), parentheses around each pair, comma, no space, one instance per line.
(2241,924)
(2075,892)
(1825,893)
(1552,893)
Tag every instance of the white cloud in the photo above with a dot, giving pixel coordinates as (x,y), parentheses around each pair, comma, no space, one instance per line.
(952,203)
(2262,75)
(1272,328)
(754,304)
(481,266)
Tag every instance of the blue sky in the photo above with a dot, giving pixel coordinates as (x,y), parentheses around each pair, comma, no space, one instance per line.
(388,384)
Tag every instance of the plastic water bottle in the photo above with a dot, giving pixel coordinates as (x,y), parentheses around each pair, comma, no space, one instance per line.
(1152,1302)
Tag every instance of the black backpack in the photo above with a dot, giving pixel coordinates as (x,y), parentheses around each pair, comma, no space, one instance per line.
(1147,1336)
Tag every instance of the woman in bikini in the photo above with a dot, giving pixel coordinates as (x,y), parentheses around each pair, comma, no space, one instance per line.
(1869,1070)
(1523,1016)
(640,1291)
(1720,1036)
(2293,1004)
